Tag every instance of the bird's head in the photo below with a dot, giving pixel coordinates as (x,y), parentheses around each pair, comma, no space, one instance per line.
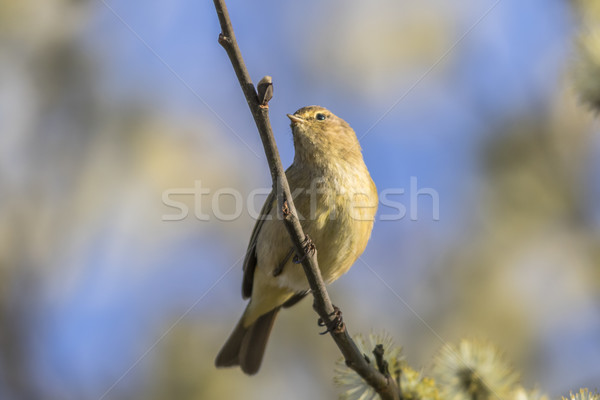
(321,136)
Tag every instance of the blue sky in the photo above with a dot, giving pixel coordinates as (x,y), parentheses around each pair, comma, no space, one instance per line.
(509,65)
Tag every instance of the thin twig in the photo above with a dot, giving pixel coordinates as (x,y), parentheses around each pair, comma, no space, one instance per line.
(322,304)
(382,365)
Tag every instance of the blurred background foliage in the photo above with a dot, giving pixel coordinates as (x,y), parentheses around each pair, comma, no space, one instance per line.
(105,105)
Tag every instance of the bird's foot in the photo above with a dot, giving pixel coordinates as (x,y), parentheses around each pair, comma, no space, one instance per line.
(336,325)
(309,249)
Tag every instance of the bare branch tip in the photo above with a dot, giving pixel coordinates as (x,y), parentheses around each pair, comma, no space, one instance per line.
(265,91)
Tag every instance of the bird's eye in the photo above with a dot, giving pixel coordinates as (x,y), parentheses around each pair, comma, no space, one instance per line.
(320,117)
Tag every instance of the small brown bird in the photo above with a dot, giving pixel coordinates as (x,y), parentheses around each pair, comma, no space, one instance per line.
(336,201)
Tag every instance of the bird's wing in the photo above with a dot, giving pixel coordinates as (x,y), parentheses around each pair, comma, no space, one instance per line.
(250,260)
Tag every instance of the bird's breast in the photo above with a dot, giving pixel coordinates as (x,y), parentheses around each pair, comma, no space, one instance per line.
(338,210)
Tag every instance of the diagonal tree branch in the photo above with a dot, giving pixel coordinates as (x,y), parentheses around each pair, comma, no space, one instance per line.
(384,386)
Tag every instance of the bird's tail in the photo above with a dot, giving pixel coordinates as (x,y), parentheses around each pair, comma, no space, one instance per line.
(246,344)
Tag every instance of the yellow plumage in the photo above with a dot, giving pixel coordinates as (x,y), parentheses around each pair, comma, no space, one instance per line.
(336,200)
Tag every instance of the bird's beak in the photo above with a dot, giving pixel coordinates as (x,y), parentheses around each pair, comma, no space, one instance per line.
(295,119)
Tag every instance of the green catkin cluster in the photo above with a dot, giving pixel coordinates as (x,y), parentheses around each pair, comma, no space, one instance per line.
(471,370)
(586,73)
(583,394)
(353,386)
